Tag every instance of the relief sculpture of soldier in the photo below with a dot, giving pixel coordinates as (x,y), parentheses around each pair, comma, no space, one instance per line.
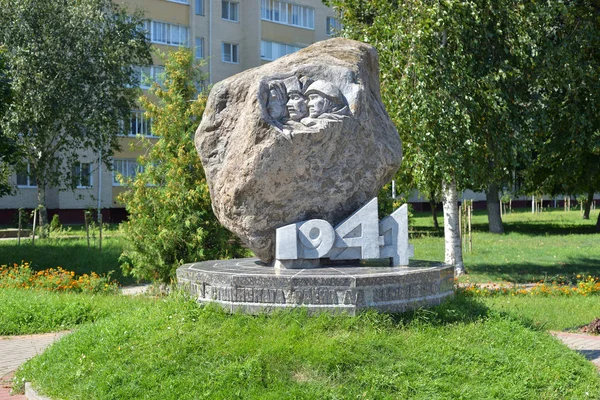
(297,104)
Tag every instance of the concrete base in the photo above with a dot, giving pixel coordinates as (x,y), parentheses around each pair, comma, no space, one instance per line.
(249,286)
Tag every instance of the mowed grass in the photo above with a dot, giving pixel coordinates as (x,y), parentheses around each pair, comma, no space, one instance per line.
(555,313)
(171,348)
(70,253)
(534,247)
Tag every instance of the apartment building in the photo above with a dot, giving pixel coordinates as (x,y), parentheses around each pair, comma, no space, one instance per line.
(231,36)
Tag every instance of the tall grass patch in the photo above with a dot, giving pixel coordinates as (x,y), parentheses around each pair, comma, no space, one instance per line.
(26,311)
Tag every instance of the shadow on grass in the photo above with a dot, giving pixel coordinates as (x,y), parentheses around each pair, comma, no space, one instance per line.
(458,309)
(546,229)
(72,255)
(527,272)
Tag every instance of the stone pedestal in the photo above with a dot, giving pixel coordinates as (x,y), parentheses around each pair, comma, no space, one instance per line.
(249,286)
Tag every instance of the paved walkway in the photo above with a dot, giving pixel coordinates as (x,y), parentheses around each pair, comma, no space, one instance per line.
(14,351)
(588,345)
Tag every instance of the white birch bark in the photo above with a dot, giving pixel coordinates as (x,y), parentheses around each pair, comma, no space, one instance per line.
(453,247)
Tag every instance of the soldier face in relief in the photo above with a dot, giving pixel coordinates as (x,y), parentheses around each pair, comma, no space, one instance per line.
(296,106)
(276,102)
(316,105)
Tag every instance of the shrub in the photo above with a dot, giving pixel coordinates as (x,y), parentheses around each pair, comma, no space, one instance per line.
(170,213)
(55,225)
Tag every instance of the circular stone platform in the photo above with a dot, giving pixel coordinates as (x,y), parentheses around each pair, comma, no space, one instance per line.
(247,285)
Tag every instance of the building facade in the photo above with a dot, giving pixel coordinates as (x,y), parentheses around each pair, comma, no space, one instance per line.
(230,36)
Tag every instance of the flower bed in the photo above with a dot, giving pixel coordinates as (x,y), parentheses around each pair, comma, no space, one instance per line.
(21,276)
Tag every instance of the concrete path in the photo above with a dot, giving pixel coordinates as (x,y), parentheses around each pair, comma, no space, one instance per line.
(14,351)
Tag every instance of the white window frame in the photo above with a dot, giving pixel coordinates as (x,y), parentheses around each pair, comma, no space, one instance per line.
(199,48)
(179,1)
(160,32)
(199,7)
(148,75)
(232,7)
(232,53)
(31,180)
(332,26)
(127,167)
(143,125)
(270,51)
(282,12)
(78,175)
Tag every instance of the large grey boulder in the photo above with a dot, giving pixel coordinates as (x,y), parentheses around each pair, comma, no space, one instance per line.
(303,137)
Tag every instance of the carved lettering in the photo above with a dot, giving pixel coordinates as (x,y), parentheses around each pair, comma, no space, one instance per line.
(359,237)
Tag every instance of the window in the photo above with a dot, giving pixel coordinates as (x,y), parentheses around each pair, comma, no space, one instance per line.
(145,76)
(273,50)
(229,53)
(139,124)
(26,177)
(127,168)
(333,26)
(165,33)
(229,11)
(82,175)
(288,13)
(199,47)
(179,1)
(199,7)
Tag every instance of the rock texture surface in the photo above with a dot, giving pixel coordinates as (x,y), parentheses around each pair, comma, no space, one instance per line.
(303,137)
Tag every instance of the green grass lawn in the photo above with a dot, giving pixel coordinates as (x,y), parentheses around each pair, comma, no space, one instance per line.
(171,348)
(25,312)
(534,247)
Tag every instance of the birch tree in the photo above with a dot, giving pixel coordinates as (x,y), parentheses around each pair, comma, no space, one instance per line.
(451,77)
(8,149)
(71,78)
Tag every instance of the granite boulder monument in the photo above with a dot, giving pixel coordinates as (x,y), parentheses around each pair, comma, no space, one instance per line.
(304,137)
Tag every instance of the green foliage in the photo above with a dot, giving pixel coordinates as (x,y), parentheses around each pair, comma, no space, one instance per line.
(8,148)
(451,79)
(170,215)
(172,348)
(71,78)
(387,205)
(567,141)
(55,225)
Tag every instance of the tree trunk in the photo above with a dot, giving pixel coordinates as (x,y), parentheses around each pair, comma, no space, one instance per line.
(42,208)
(453,249)
(598,223)
(588,205)
(493,209)
(432,203)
